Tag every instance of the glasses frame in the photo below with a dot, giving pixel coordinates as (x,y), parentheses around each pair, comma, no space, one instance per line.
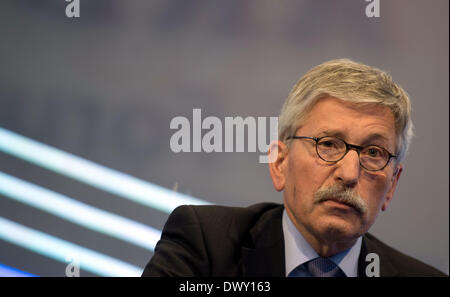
(348,147)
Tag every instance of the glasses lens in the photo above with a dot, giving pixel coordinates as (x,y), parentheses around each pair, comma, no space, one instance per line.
(374,157)
(331,148)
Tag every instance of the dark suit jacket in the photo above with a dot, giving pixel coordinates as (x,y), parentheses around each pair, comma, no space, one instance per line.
(233,241)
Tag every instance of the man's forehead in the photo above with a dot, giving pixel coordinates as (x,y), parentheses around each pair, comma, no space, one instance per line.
(335,117)
(330,108)
(357,107)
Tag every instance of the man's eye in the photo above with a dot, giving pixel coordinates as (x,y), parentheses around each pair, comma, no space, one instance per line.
(373,152)
(328,144)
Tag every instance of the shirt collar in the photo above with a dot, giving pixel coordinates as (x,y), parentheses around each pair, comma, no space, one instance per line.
(299,251)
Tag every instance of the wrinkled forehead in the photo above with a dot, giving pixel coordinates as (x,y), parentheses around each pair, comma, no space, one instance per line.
(358,108)
(346,119)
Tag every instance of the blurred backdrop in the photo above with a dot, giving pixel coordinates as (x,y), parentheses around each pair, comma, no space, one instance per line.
(87,175)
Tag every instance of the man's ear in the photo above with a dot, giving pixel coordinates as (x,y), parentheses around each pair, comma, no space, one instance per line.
(278,153)
(393,185)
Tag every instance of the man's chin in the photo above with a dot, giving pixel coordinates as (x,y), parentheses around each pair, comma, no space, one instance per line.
(338,229)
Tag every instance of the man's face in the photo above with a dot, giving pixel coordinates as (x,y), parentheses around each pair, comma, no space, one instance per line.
(302,173)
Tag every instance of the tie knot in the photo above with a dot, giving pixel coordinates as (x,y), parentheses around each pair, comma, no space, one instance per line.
(323,267)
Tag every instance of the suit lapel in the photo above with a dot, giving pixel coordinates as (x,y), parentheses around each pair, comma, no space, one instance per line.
(264,255)
(387,269)
(263,261)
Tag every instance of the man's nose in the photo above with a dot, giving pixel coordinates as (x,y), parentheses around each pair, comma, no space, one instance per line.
(348,169)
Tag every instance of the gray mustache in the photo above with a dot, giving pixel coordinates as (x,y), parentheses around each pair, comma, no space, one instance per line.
(343,195)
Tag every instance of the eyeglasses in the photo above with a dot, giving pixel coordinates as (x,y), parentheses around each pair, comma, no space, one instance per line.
(333,149)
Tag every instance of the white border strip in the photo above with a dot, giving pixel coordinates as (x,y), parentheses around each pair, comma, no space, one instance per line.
(79,213)
(96,175)
(61,250)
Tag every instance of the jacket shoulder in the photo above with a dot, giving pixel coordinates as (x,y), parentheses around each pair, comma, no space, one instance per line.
(204,240)
(217,213)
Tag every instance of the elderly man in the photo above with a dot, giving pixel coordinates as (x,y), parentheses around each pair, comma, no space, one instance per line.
(343,133)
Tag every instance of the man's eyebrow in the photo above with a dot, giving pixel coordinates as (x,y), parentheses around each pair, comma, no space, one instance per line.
(367,140)
(336,133)
(376,136)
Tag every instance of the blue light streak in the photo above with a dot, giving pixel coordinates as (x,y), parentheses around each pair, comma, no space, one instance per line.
(78,212)
(62,250)
(93,174)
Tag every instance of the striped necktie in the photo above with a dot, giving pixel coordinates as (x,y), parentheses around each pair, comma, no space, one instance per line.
(323,267)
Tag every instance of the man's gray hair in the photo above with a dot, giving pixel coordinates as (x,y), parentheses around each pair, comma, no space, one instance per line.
(349,81)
